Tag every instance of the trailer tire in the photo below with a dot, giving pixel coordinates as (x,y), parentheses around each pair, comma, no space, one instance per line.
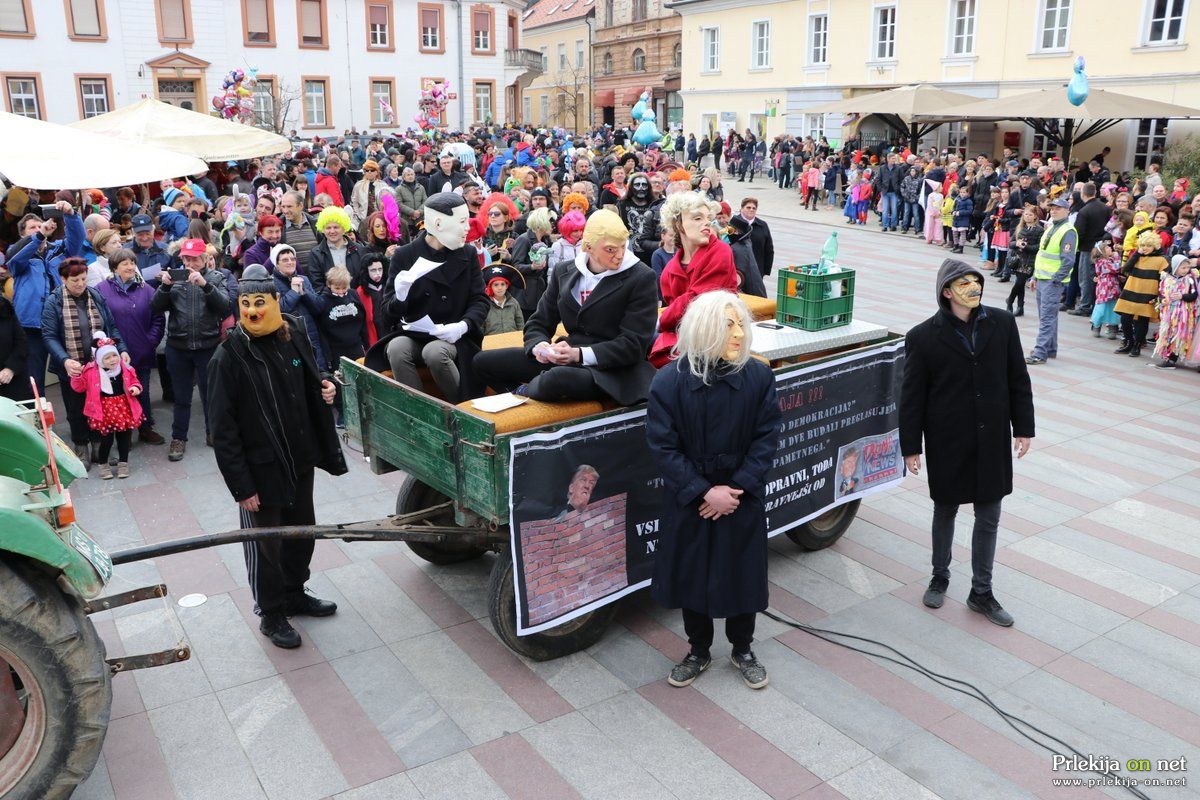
(414,496)
(50,646)
(819,533)
(570,637)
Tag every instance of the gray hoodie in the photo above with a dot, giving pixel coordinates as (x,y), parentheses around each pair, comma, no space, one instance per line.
(951,270)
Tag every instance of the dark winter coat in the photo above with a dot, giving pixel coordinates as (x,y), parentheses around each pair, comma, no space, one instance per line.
(307,307)
(343,326)
(320,261)
(1026,253)
(704,436)
(196,312)
(250,442)
(450,293)
(616,322)
(963,208)
(535,279)
(763,244)
(966,406)
(746,265)
(53,332)
(1089,224)
(14,350)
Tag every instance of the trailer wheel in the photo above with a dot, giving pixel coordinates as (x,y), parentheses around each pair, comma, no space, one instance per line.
(570,637)
(414,496)
(819,533)
(55,690)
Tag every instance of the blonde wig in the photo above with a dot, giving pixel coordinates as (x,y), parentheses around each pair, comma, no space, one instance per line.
(677,205)
(540,221)
(605,225)
(704,332)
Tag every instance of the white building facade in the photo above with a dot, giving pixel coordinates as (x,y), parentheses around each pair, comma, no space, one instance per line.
(324,66)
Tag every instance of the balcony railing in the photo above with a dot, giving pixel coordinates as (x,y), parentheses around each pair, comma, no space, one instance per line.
(529,60)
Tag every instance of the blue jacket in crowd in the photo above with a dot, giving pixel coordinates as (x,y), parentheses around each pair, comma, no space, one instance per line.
(35,270)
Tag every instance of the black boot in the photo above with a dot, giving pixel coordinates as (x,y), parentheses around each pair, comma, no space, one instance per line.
(1136,350)
(1020,312)
(281,633)
(1126,346)
(1008,307)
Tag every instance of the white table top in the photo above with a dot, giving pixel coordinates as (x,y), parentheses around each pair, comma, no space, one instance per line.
(789,342)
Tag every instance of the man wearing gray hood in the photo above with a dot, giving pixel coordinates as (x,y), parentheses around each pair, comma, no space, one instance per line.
(966,393)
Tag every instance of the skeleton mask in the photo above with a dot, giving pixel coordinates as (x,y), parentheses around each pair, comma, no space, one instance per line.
(640,188)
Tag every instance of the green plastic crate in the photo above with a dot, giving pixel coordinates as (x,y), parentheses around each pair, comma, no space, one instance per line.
(801,302)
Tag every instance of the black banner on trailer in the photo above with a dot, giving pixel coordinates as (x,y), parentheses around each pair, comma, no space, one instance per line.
(584,501)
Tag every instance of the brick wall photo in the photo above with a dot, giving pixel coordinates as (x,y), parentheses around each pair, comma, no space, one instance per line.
(572,561)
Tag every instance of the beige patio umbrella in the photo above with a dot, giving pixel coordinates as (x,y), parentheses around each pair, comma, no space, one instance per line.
(210,138)
(900,108)
(43,155)
(1049,112)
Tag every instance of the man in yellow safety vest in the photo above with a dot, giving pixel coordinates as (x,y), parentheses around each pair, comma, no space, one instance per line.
(1051,271)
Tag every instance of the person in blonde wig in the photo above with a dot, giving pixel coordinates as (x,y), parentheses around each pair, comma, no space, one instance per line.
(605,300)
(712,425)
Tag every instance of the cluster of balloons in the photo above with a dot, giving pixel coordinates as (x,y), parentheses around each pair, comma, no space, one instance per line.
(647,131)
(236,100)
(432,104)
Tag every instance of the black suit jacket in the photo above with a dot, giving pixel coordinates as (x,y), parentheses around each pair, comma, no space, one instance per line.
(450,293)
(617,321)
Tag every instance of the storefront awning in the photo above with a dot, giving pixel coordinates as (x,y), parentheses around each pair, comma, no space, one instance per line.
(631,96)
(603,98)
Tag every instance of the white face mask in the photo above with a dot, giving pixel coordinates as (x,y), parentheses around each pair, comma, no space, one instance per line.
(449,229)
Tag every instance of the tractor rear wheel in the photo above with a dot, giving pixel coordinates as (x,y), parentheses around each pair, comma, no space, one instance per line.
(55,690)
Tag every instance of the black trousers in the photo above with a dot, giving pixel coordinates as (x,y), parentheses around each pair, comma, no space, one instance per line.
(699,628)
(1017,295)
(1134,328)
(278,568)
(73,402)
(508,368)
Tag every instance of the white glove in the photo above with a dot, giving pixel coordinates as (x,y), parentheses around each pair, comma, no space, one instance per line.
(404,282)
(452,332)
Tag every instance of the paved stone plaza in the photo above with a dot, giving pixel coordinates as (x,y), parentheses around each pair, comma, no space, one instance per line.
(406,693)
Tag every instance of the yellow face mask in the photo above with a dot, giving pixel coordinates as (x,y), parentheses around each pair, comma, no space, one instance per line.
(260,314)
(967,291)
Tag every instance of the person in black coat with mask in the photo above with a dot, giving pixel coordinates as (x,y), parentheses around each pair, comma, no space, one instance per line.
(712,425)
(275,429)
(966,402)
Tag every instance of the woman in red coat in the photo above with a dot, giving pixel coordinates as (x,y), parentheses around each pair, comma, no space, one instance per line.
(703,263)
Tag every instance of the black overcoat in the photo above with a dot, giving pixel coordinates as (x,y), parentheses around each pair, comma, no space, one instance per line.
(704,436)
(249,438)
(617,321)
(451,293)
(966,406)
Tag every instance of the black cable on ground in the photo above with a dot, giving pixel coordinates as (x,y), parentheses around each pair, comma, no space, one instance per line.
(947,682)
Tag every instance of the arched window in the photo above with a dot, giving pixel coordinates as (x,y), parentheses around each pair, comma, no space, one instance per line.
(677,56)
(608,64)
(639,60)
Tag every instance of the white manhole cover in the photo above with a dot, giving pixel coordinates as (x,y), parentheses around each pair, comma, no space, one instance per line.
(193,600)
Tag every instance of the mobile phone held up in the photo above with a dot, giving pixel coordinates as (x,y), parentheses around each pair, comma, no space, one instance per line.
(50,211)
(179,275)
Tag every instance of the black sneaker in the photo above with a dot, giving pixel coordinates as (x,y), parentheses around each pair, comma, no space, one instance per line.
(935,595)
(304,604)
(753,673)
(281,633)
(685,672)
(987,605)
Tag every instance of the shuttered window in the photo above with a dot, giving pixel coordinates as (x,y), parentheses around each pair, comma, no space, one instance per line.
(431,27)
(258,21)
(85,18)
(173,16)
(377,18)
(481,31)
(12,17)
(312,23)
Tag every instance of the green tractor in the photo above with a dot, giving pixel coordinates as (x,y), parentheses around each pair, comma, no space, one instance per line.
(55,684)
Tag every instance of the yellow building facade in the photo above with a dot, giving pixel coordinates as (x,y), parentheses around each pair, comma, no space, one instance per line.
(561,30)
(759,64)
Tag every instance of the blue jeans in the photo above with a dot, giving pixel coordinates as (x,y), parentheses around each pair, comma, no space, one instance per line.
(35,360)
(983,542)
(1087,281)
(912,216)
(188,368)
(1049,298)
(144,376)
(889,208)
